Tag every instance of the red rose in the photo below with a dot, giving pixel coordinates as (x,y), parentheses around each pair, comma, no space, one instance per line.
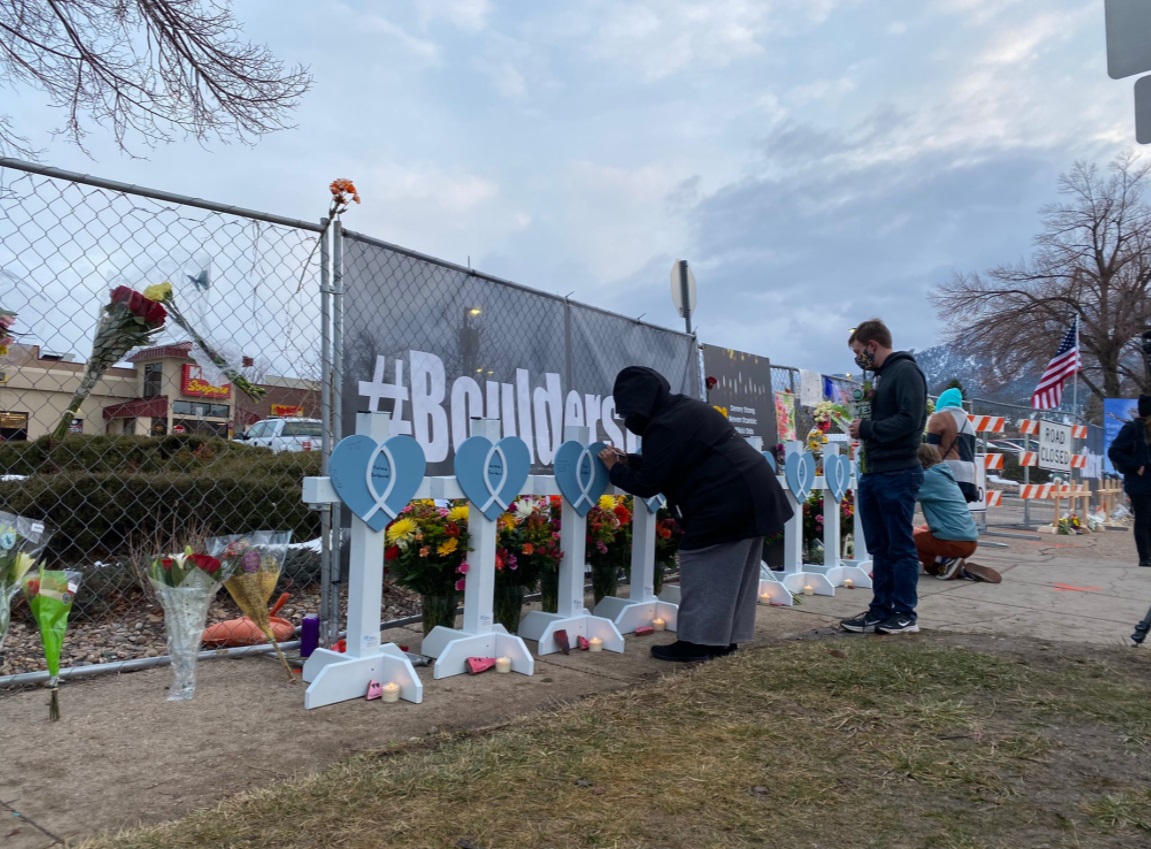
(391,552)
(206,562)
(121,294)
(167,563)
(156,313)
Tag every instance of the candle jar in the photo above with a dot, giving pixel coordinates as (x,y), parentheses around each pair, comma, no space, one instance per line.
(390,692)
(848,584)
(595,644)
(309,635)
(659,624)
(503,664)
(809,590)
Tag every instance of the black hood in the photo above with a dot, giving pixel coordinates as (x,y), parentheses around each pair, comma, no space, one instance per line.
(640,390)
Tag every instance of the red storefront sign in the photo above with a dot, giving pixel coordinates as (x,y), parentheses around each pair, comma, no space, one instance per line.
(192,384)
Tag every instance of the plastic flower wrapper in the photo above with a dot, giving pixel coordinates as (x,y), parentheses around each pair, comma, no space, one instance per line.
(21,542)
(254,562)
(7,319)
(185,583)
(165,294)
(128,321)
(50,595)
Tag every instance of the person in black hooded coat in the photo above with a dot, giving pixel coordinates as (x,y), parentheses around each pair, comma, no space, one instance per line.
(1130,454)
(721,491)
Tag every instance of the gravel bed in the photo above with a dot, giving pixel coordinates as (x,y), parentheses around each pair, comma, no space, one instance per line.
(139,632)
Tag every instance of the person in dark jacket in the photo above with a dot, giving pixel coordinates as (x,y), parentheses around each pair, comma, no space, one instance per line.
(890,479)
(721,491)
(1130,456)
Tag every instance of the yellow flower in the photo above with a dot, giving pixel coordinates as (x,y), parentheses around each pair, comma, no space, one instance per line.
(3,350)
(402,530)
(459,513)
(607,502)
(507,521)
(21,566)
(158,291)
(447,546)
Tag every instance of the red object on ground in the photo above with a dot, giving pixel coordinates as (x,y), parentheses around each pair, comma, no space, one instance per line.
(341,646)
(244,632)
(644,630)
(583,643)
(561,638)
(476,665)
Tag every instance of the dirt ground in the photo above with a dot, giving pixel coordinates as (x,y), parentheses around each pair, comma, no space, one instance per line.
(122,755)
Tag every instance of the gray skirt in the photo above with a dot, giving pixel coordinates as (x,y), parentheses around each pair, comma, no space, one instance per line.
(719,589)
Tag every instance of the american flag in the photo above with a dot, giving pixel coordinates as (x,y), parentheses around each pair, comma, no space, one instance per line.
(1065,363)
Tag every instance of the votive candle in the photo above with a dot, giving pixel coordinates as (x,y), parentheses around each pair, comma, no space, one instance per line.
(595,644)
(809,590)
(848,584)
(659,623)
(309,635)
(503,664)
(390,692)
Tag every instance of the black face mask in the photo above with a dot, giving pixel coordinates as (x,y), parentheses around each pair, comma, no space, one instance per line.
(636,423)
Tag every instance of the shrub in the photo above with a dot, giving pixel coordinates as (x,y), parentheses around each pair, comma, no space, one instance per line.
(101,492)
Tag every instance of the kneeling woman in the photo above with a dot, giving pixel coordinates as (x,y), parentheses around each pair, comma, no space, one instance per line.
(950,534)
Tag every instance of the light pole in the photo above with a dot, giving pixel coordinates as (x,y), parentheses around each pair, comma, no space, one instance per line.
(469,340)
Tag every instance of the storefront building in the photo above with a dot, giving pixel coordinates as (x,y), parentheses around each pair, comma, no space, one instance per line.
(163,391)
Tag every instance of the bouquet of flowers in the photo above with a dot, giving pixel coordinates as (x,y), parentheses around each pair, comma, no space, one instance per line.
(608,543)
(129,320)
(253,563)
(667,536)
(827,413)
(813,519)
(185,583)
(7,319)
(529,537)
(427,550)
(163,293)
(21,542)
(50,595)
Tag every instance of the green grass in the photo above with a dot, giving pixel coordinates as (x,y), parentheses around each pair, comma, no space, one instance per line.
(861,743)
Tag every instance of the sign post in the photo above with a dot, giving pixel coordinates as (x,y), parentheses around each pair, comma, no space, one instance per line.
(683,290)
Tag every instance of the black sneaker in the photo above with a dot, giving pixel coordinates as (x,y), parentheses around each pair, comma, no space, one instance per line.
(1145,563)
(949,567)
(724,651)
(898,625)
(682,651)
(864,623)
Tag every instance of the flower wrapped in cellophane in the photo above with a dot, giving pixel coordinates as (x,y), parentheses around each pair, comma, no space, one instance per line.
(128,321)
(165,294)
(254,562)
(22,540)
(50,594)
(7,319)
(185,583)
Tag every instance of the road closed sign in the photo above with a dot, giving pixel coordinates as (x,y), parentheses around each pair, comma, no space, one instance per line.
(1055,447)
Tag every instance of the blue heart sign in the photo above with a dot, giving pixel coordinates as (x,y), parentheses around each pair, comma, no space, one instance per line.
(655,502)
(377,479)
(799,472)
(492,475)
(580,475)
(837,475)
(770,457)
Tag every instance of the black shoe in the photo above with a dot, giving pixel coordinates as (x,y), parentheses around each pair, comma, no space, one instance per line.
(898,625)
(682,651)
(724,651)
(864,623)
(1146,563)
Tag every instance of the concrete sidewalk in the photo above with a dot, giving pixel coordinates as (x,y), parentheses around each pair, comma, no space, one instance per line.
(122,754)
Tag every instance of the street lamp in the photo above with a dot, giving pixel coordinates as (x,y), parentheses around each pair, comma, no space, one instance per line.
(469,340)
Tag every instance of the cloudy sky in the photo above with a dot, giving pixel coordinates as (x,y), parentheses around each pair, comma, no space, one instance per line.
(818,161)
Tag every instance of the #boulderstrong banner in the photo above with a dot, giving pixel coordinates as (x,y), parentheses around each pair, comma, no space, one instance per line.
(436,345)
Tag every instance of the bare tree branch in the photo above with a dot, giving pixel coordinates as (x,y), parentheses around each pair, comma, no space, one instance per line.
(1091,260)
(149,70)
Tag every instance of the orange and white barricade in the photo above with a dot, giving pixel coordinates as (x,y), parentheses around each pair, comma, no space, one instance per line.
(987,424)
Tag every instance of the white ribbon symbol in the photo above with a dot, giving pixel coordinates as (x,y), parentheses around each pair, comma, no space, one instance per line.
(584,488)
(381,498)
(495,493)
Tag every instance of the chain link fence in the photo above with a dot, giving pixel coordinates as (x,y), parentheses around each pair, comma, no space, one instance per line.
(149,462)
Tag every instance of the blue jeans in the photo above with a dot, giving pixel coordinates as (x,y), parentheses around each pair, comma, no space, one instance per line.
(886,510)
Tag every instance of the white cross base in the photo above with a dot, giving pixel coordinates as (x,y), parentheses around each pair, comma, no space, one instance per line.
(480,636)
(334,677)
(573,617)
(641,605)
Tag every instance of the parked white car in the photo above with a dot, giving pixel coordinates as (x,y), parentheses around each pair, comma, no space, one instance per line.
(285,434)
